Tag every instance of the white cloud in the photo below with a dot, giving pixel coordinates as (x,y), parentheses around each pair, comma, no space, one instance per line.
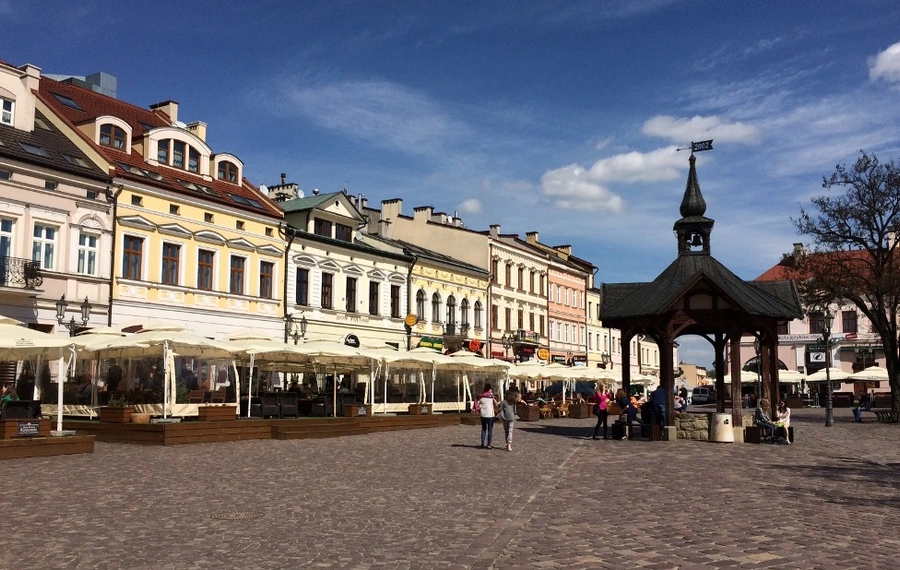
(574,187)
(697,128)
(470,206)
(886,65)
(603,144)
(381,113)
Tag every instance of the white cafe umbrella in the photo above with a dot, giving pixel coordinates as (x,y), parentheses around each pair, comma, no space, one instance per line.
(18,341)
(872,374)
(833,373)
(166,340)
(790,376)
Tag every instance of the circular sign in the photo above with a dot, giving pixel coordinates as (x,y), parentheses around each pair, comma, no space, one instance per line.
(543,354)
(352,340)
(474,345)
(411,320)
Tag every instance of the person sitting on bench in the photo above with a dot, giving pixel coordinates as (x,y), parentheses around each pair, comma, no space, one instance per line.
(761,417)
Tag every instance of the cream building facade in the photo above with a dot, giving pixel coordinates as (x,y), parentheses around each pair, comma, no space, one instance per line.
(342,286)
(55,219)
(194,242)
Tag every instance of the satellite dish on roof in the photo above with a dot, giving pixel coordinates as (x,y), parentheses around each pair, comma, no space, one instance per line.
(300,193)
(263,189)
(180,124)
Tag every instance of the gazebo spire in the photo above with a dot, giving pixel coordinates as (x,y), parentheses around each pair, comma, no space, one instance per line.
(692,204)
(693,229)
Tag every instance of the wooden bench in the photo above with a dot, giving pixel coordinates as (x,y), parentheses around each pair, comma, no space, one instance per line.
(753,434)
(886,415)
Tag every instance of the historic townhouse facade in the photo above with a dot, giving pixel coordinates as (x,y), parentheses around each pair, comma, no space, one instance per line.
(340,286)
(518,293)
(55,219)
(195,243)
(853,345)
(448,298)
(597,337)
(569,279)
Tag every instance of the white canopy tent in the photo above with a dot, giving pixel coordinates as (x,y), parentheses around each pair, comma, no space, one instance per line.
(17,341)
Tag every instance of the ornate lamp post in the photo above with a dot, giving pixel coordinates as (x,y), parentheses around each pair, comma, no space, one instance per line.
(62,305)
(758,367)
(604,360)
(507,341)
(828,320)
(295,329)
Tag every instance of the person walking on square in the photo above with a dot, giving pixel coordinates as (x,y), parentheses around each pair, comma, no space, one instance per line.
(508,415)
(601,410)
(865,403)
(487,409)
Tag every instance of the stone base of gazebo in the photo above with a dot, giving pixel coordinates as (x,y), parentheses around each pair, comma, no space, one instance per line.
(695,426)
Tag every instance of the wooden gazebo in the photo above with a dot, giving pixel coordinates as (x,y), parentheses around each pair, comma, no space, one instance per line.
(697,295)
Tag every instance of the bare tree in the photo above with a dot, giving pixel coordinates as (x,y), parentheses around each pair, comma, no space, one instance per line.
(855,249)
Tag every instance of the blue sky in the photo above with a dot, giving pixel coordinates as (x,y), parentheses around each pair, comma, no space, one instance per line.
(560,117)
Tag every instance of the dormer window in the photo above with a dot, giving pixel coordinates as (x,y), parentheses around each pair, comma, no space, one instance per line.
(343,233)
(6,111)
(228,171)
(112,136)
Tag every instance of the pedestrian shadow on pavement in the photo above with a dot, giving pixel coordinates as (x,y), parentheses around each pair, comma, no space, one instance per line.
(576,432)
(476,446)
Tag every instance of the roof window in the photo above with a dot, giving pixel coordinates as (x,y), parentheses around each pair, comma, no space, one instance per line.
(67,101)
(35,150)
(75,160)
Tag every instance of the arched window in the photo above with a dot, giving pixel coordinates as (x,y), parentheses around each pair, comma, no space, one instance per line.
(451,310)
(477,314)
(420,304)
(228,171)
(193,160)
(112,136)
(464,313)
(435,308)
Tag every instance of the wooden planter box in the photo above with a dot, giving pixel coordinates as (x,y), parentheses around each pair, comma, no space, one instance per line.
(216,413)
(420,409)
(29,428)
(357,411)
(580,411)
(528,413)
(115,415)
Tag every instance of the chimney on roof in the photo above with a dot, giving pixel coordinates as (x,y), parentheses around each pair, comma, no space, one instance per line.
(198,128)
(565,249)
(104,83)
(170,108)
(392,208)
(284,191)
(422,214)
(532,237)
(362,201)
(495,231)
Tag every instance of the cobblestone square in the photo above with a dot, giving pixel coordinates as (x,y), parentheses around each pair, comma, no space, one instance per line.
(431,499)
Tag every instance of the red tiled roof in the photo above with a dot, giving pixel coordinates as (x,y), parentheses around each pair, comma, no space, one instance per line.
(95,105)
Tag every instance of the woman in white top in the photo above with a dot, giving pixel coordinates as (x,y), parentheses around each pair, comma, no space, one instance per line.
(784,419)
(487,407)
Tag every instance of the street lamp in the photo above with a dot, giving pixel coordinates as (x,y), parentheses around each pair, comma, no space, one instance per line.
(62,305)
(507,341)
(294,330)
(604,360)
(758,367)
(828,320)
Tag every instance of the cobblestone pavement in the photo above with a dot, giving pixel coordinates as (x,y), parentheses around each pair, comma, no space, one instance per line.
(430,499)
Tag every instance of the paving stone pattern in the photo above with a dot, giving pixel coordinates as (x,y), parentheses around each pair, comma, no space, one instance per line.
(430,498)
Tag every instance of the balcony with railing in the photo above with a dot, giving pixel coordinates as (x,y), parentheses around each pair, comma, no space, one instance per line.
(16,272)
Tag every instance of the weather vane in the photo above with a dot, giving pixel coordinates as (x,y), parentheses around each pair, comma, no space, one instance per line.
(698,146)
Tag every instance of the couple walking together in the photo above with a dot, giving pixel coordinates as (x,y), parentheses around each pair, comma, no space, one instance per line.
(489,408)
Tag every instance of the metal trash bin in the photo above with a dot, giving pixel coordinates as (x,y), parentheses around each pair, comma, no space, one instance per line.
(720,428)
